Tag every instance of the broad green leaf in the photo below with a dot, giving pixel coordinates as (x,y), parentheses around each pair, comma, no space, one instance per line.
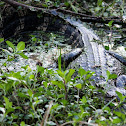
(63,101)
(120,114)
(9,110)
(59,84)
(23,55)
(117,120)
(120,95)
(66,4)
(112,76)
(8,104)
(82,72)
(89,75)
(110,23)
(10,44)
(99,3)
(60,95)
(22,95)
(91,87)
(31,76)
(1,39)
(79,86)
(22,123)
(20,46)
(84,100)
(45,84)
(30,93)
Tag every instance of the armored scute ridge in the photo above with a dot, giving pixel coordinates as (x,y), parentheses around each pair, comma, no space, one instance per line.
(94,57)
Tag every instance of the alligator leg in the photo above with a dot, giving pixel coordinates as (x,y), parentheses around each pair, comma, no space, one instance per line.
(66,59)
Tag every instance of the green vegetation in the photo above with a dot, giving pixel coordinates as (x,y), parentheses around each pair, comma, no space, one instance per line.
(26,96)
(57,97)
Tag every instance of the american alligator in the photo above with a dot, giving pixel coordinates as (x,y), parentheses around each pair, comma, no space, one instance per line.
(93,58)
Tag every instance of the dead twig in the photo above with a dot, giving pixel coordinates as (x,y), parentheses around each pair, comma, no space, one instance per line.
(80,122)
(46,115)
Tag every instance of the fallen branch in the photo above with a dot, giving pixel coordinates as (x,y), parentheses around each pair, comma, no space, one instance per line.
(83,17)
(46,115)
(15,4)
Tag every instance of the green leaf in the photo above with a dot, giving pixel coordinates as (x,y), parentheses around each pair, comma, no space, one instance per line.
(66,4)
(22,123)
(120,114)
(107,47)
(22,95)
(112,76)
(110,23)
(108,73)
(45,84)
(99,3)
(30,93)
(68,77)
(61,74)
(120,95)
(117,120)
(84,100)
(10,44)
(23,55)
(20,46)
(1,39)
(59,84)
(31,76)
(44,5)
(79,86)
(8,104)
(82,72)
(89,76)
(74,8)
